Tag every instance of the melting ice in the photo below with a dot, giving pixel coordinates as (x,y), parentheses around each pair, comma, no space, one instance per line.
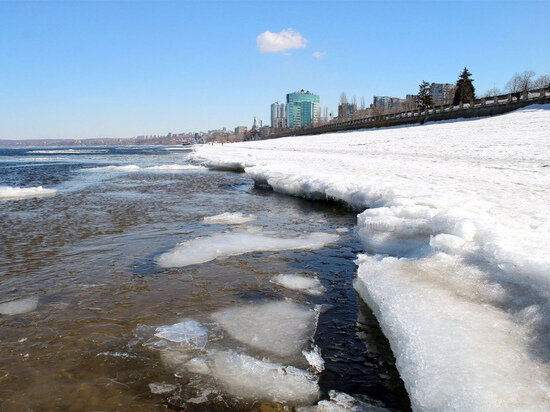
(282,328)
(205,249)
(305,284)
(229,219)
(19,306)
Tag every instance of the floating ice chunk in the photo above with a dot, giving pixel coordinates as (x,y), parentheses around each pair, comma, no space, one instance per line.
(189,333)
(112,168)
(173,168)
(117,354)
(278,327)
(19,306)
(315,359)
(341,402)
(198,365)
(161,388)
(305,284)
(205,249)
(342,230)
(12,193)
(251,378)
(229,219)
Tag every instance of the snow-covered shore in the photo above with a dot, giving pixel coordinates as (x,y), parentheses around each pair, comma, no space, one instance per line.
(456,233)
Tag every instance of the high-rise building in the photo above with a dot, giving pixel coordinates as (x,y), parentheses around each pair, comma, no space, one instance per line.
(346,110)
(278,115)
(303,109)
(240,130)
(442,93)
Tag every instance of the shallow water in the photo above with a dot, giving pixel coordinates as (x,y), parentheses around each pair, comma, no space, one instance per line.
(87,255)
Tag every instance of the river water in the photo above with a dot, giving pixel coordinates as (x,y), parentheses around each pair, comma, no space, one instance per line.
(84,298)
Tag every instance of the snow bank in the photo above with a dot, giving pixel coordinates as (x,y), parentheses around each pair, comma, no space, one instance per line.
(205,249)
(282,328)
(19,306)
(455,231)
(305,284)
(11,193)
(229,219)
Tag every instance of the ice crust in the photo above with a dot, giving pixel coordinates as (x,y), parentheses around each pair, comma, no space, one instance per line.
(455,223)
(306,284)
(136,168)
(205,249)
(252,378)
(229,218)
(13,193)
(19,306)
(282,328)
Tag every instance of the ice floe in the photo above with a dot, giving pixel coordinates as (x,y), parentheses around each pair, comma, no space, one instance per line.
(306,284)
(19,306)
(251,378)
(189,333)
(205,249)
(12,193)
(341,402)
(229,218)
(162,388)
(282,328)
(457,224)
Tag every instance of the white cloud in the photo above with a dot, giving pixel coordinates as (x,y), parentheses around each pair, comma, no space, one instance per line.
(318,54)
(269,42)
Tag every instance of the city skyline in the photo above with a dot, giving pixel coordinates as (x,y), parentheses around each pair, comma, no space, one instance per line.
(86,70)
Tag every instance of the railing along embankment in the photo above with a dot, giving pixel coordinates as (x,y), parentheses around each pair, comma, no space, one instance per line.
(485,106)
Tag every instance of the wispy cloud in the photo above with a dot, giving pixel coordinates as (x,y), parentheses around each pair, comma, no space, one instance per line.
(318,55)
(269,42)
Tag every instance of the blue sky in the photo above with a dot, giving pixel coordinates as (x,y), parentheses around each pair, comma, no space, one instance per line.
(120,69)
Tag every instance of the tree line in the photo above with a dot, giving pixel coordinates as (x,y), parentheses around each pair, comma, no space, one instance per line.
(465,90)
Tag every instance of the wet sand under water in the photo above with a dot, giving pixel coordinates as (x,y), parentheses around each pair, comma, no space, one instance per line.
(88,255)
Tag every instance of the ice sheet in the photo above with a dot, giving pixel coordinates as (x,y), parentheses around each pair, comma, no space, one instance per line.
(307,284)
(19,306)
(189,333)
(229,218)
(251,378)
(13,193)
(205,249)
(282,328)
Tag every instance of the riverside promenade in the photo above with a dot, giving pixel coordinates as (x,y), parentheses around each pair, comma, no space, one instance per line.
(485,106)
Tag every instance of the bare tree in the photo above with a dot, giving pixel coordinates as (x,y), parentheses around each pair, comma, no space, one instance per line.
(520,82)
(362,107)
(495,91)
(354,102)
(343,99)
(542,81)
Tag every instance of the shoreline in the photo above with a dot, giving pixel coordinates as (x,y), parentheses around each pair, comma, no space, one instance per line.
(454,275)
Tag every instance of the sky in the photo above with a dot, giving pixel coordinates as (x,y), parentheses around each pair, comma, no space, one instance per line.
(122,69)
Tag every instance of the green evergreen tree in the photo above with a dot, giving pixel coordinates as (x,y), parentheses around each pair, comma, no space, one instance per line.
(424,98)
(465,90)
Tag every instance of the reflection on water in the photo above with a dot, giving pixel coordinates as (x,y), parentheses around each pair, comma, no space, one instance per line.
(87,255)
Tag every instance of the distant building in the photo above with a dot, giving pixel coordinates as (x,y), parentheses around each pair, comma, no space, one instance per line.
(240,130)
(346,110)
(442,94)
(387,102)
(303,109)
(278,116)
(411,102)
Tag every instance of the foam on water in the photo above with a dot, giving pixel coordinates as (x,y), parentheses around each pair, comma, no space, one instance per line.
(229,218)
(12,193)
(205,249)
(282,328)
(173,168)
(251,378)
(305,284)
(112,168)
(19,306)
